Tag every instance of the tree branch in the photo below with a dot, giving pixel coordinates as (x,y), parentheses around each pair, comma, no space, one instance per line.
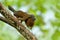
(6,21)
(13,21)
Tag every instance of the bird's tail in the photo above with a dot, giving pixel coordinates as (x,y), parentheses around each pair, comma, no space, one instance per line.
(10,8)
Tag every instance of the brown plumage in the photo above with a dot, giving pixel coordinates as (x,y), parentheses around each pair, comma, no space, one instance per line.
(23,16)
(30,21)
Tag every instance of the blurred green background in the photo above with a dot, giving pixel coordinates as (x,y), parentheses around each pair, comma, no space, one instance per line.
(47,24)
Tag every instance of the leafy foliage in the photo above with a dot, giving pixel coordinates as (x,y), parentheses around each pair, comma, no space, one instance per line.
(32,7)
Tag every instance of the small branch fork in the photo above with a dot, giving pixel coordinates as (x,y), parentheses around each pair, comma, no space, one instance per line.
(13,21)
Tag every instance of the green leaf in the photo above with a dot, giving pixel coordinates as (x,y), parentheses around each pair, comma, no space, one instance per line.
(55,23)
(56,35)
(32,11)
(2,24)
(39,21)
(57,15)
